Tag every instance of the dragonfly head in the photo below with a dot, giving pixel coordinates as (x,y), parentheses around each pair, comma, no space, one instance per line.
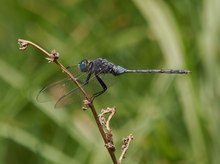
(84,65)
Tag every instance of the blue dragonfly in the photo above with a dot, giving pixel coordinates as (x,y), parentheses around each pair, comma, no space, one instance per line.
(93,70)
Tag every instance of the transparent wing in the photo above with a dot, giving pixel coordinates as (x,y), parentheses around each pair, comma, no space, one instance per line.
(59,88)
(65,92)
(92,87)
(53,91)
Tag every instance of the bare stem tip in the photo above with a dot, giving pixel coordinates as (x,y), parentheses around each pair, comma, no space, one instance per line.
(22,44)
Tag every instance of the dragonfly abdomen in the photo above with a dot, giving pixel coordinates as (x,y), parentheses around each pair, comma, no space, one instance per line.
(167,71)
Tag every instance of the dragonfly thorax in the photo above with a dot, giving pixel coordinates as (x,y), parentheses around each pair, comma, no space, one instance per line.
(101,66)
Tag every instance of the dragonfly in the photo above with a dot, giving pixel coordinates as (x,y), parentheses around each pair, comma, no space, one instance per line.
(89,70)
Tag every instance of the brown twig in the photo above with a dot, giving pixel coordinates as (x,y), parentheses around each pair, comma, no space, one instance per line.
(106,124)
(53,57)
(126,143)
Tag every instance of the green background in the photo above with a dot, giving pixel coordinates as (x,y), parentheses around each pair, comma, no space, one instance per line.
(173,118)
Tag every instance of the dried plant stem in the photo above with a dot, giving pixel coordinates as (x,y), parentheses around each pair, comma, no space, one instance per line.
(106,124)
(125,146)
(52,57)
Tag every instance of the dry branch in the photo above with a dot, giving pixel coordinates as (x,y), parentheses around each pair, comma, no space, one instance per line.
(106,124)
(53,57)
(125,146)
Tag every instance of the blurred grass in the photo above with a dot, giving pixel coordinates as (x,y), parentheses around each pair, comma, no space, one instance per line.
(174,119)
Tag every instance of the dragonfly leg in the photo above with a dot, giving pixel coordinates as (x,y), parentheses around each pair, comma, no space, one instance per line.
(104,87)
(84,81)
(87,79)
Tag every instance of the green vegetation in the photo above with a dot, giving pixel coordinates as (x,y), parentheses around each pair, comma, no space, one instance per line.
(173,118)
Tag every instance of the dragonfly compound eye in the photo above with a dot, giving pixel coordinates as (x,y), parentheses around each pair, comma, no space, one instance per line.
(83,65)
